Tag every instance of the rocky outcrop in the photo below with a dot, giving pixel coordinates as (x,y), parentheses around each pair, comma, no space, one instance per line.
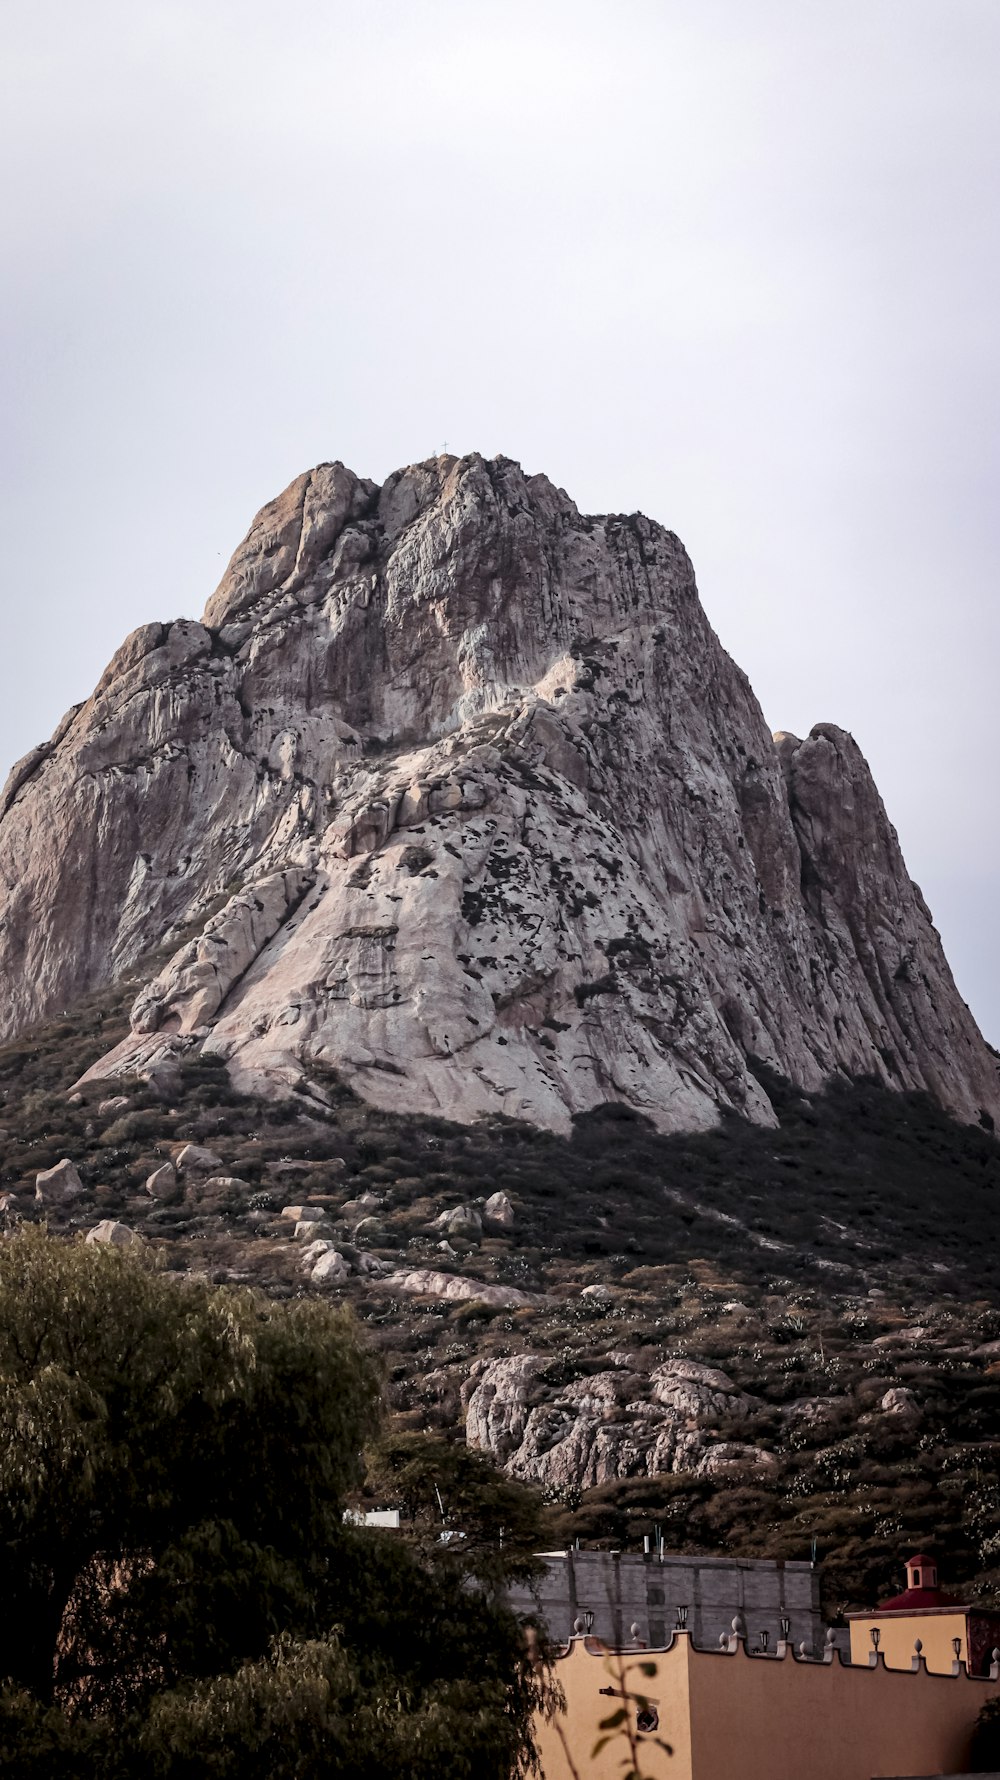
(424,1282)
(624,1421)
(455,792)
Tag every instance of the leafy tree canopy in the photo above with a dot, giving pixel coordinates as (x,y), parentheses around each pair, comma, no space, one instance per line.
(457,1507)
(181,1593)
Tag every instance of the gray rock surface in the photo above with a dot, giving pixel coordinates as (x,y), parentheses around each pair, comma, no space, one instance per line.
(462,1220)
(163,1183)
(900,1401)
(308,1231)
(455,790)
(114,1234)
(621,1422)
(425,1282)
(58,1185)
(499,1211)
(195,1159)
(330,1269)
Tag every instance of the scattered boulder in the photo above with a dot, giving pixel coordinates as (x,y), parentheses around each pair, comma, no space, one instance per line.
(163,1079)
(369,1266)
(194,1158)
(226,1183)
(312,1254)
(499,1210)
(162,1183)
(303,1214)
(108,1108)
(330,1270)
(309,1231)
(370,1230)
(58,1185)
(900,1401)
(363,1206)
(464,1221)
(110,1231)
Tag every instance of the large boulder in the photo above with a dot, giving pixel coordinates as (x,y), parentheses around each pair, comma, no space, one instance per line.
(115,1234)
(115,1104)
(196,1159)
(365,1205)
(163,1183)
(464,1221)
(499,1211)
(58,1185)
(330,1269)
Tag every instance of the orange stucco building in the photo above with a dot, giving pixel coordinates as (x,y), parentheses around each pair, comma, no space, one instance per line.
(925,1620)
(760,1716)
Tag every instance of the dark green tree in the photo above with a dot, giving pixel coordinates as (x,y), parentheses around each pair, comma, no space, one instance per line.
(181,1593)
(458,1508)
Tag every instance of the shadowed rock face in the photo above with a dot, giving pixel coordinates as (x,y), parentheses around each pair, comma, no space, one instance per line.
(465,800)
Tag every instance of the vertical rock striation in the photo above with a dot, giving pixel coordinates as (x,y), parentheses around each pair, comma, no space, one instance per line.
(455,791)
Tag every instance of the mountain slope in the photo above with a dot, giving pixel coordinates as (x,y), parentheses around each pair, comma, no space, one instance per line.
(749,1336)
(467,803)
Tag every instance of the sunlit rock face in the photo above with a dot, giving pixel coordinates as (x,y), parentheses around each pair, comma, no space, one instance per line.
(626,1421)
(455,791)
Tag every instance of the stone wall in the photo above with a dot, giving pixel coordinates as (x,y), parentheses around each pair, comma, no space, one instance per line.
(625,1589)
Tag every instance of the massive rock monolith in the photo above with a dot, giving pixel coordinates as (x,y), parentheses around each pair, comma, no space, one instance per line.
(455,792)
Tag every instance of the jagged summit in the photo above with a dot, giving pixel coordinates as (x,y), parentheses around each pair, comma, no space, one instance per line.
(465,800)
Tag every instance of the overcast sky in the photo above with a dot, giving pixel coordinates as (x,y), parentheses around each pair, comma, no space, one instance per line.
(735,263)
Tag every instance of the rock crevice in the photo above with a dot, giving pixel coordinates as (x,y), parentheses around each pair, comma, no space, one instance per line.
(509,829)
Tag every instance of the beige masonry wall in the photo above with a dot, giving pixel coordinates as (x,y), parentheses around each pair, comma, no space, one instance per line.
(899,1632)
(765,1717)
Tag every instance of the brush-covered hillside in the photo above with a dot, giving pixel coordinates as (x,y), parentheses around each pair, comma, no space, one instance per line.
(752,1337)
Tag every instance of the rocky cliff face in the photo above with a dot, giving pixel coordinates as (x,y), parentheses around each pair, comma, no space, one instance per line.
(623,1421)
(455,791)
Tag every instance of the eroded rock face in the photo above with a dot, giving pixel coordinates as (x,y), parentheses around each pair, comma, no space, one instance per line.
(622,1422)
(455,791)
(424,1282)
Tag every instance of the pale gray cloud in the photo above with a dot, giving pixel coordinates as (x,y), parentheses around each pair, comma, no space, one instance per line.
(735,262)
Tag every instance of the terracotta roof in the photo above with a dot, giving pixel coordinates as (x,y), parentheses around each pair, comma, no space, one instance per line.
(912,1598)
(920,1557)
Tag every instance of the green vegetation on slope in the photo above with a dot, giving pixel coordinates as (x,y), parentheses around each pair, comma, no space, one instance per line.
(848,1254)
